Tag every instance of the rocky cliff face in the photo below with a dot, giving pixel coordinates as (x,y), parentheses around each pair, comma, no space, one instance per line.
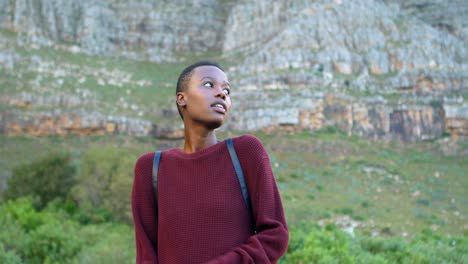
(385,70)
(402,72)
(145,30)
(449,16)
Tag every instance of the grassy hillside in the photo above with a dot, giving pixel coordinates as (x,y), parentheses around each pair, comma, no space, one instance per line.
(388,188)
(108,85)
(385,188)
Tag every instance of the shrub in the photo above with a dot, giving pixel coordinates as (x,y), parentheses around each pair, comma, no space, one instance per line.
(44,180)
(28,235)
(104,184)
(53,243)
(319,245)
(108,243)
(314,244)
(8,257)
(37,236)
(13,237)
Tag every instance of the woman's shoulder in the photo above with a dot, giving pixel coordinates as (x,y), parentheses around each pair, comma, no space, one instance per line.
(145,159)
(246,138)
(248,142)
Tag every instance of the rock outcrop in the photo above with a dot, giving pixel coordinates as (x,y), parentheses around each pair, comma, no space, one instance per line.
(456,121)
(449,16)
(365,49)
(380,69)
(370,117)
(144,30)
(46,123)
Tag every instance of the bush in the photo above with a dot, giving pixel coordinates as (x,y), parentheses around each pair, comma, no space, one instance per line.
(108,243)
(13,237)
(35,236)
(319,245)
(314,244)
(104,184)
(8,257)
(53,243)
(28,235)
(44,180)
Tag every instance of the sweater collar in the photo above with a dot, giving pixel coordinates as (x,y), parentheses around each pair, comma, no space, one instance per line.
(179,152)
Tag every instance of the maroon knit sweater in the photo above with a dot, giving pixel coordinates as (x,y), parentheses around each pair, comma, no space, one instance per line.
(203,217)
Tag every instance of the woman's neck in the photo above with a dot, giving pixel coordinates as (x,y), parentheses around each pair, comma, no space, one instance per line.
(198,139)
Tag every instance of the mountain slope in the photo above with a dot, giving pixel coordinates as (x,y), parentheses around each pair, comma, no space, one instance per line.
(377,69)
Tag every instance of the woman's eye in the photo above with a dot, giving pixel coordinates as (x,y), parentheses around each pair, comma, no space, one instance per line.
(208,84)
(226,91)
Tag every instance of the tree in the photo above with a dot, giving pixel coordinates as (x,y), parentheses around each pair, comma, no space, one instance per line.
(45,179)
(105,182)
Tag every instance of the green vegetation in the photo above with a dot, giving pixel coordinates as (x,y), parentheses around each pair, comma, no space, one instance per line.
(401,187)
(104,180)
(67,199)
(44,180)
(109,85)
(314,244)
(52,235)
(407,201)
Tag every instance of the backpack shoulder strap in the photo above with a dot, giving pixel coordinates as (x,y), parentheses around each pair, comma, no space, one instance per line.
(237,167)
(157,157)
(240,176)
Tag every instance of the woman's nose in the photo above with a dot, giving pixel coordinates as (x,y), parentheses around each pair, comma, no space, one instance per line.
(219,92)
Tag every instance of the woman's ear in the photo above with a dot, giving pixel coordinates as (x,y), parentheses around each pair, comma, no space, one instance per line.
(181,99)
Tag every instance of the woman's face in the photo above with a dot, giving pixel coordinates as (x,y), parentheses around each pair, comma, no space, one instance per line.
(206,99)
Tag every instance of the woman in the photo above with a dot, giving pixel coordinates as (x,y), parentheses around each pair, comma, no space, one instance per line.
(201,215)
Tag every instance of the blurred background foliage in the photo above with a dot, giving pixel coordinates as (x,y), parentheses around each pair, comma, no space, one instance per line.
(44,180)
(342,200)
(103,181)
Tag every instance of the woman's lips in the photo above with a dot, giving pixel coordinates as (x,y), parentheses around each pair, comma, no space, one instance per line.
(219,108)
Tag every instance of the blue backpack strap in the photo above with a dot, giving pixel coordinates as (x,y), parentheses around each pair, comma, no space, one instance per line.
(157,157)
(240,177)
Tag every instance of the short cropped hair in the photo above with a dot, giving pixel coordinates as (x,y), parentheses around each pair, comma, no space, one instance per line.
(187,73)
